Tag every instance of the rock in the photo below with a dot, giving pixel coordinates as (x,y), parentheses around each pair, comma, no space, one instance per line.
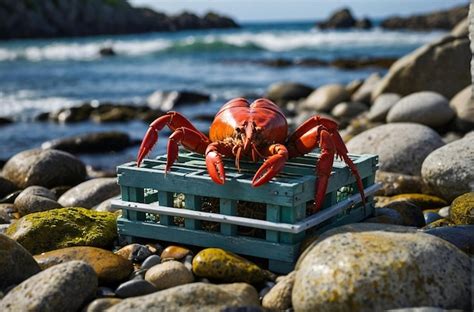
(401,147)
(16,263)
(421,200)
(450,137)
(59,228)
(411,214)
(35,199)
(165,101)
(444,212)
(341,18)
(218,264)
(90,193)
(382,105)
(448,170)
(134,252)
(364,23)
(396,183)
(353,86)
(461,236)
(363,94)
(444,19)
(101,304)
(463,105)
(442,67)
(5,121)
(150,262)
(279,297)
(431,217)
(426,108)
(134,288)
(109,267)
(6,187)
(107,51)
(63,287)
(438,223)
(174,253)
(48,168)
(403,269)
(283,92)
(461,29)
(100,142)
(348,110)
(169,274)
(6,213)
(106,205)
(462,209)
(72,114)
(325,98)
(186,298)
(359,63)
(116,113)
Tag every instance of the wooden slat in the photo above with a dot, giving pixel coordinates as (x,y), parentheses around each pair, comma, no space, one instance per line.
(165,199)
(228,207)
(192,202)
(273,215)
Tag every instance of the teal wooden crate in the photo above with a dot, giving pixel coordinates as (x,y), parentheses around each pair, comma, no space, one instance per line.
(175,206)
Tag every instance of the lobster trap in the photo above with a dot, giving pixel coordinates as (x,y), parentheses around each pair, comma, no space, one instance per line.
(185,206)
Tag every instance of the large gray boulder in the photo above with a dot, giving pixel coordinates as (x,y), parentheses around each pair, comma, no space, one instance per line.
(90,193)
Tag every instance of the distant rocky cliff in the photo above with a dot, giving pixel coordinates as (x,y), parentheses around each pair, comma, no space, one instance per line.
(64,18)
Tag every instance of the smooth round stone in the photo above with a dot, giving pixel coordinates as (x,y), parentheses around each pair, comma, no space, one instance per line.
(448,170)
(410,213)
(382,105)
(35,199)
(353,86)
(6,213)
(438,223)
(155,248)
(347,110)
(386,216)
(106,205)
(6,187)
(421,200)
(48,168)
(427,108)
(279,297)
(402,147)
(134,288)
(96,142)
(186,298)
(326,97)
(396,183)
(403,269)
(109,267)
(101,304)
(169,274)
(188,262)
(65,227)
(174,253)
(105,292)
(283,92)
(151,261)
(462,209)
(90,193)
(462,104)
(63,287)
(10,198)
(461,236)
(363,94)
(134,252)
(431,217)
(218,264)
(444,212)
(16,263)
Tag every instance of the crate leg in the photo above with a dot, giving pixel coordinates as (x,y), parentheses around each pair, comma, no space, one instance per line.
(292,215)
(128,239)
(136,195)
(274,215)
(165,199)
(228,207)
(280,266)
(192,202)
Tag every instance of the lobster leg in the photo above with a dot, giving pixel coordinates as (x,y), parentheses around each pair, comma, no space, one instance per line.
(174,121)
(328,149)
(214,163)
(272,166)
(189,138)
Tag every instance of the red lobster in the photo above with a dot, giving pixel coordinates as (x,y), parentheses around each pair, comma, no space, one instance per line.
(254,131)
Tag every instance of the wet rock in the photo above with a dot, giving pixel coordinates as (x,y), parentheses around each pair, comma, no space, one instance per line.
(218,264)
(283,92)
(402,147)
(66,227)
(442,67)
(72,114)
(186,298)
(35,199)
(462,209)
(342,271)
(115,113)
(461,236)
(396,183)
(174,253)
(105,292)
(438,223)
(279,297)
(386,216)
(463,105)
(169,274)
(411,214)
(341,18)
(59,190)
(100,142)
(431,216)
(6,211)
(90,193)
(325,98)
(364,93)
(63,287)
(101,304)
(382,105)
(359,63)
(167,100)
(5,121)
(6,187)
(134,252)
(150,262)
(107,51)
(109,267)
(134,288)
(448,170)
(421,200)
(16,263)
(364,23)
(347,110)
(426,108)
(48,168)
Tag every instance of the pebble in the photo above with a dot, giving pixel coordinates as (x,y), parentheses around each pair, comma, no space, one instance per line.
(134,252)
(101,304)
(169,274)
(106,205)
(448,170)
(63,287)
(109,267)
(363,94)
(411,214)
(443,222)
(461,236)
(382,105)
(151,261)
(462,104)
(348,110)
(283,92)
(462,209)
(325,98)
(90,193)
(402,147)
(427,108)
(65,227)
(134,288)
(431,217)
(174,253)
(279,297)
(403,269)
(35,199)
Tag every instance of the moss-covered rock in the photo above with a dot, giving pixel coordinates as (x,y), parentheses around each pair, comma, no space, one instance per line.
(65,227)
(422,200)
(438,223)
(218,264)
(462,209)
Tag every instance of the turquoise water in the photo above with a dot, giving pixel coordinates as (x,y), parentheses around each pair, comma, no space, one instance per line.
(44,75)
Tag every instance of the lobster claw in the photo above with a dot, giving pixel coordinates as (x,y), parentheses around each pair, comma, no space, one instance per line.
(150,139)
(271,167)
(215,167)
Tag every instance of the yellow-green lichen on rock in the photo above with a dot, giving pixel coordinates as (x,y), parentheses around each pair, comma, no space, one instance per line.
(462,209)
(65,227)
(218,264)
(421,200)
(438,223)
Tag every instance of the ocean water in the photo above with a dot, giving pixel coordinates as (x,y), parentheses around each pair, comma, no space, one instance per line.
(45,75)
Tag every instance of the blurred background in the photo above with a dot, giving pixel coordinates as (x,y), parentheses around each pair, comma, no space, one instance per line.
(69,69)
